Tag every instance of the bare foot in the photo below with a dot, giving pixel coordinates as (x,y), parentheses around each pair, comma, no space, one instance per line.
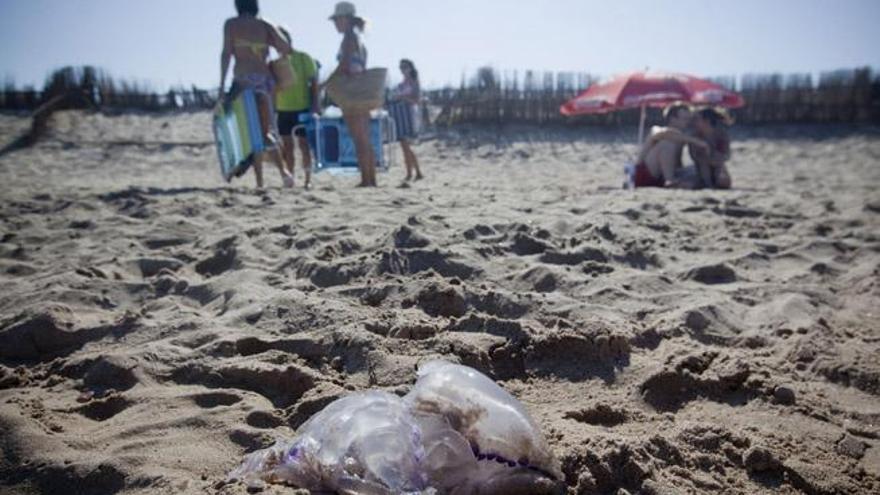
(419,176)
(288,181)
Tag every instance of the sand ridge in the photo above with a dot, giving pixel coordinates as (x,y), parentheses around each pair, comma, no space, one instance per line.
(156,324)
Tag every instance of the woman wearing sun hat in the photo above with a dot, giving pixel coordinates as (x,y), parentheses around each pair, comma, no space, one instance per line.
(352,60)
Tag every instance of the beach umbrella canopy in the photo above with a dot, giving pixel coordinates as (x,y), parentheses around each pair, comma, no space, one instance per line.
(650,89)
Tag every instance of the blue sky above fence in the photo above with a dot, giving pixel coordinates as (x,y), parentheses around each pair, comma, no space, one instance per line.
(177,42)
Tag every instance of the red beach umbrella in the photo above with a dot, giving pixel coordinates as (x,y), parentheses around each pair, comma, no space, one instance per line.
(650,89)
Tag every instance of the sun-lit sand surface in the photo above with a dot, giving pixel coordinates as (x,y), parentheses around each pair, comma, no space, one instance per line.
(157,324)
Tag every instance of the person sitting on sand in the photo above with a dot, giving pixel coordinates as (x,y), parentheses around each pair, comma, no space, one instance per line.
(247,38)
(409,93)
(710,125)
(660,160)
(294,105)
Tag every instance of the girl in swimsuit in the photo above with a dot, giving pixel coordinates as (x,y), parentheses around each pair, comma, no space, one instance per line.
(353,60)
(659,163)
(248,38)
(409,91)
(711,125)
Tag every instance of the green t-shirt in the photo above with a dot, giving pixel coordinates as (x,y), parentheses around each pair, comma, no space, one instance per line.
(298,97)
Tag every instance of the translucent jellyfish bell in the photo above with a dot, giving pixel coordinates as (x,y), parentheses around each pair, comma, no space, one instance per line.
(456,432)
(364,443)
(496,426)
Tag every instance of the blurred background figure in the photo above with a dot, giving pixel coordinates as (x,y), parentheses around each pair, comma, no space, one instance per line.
(295,106)
(405,111)
(352,60)
(710,125)
(660,159)
(247,39)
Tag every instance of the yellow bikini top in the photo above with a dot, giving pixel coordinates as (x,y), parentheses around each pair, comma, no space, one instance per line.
(259,48)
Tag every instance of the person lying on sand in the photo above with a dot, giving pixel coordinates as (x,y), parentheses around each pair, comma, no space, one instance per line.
(247,39)
(710,125)
(660,160)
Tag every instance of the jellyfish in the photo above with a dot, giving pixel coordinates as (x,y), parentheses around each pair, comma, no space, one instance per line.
(456,432)
(477,437)
(363,443)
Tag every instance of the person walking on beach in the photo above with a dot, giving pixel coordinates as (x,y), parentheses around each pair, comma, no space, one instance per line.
(660,160)
(352,60)
(710,125)
(295,105)
(247,39)
(406,98)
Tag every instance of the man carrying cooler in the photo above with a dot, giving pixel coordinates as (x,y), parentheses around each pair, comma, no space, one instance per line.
(294,104)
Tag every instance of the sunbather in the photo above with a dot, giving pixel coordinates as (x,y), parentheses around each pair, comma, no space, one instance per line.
(247,38)
(660,160)
(710,125)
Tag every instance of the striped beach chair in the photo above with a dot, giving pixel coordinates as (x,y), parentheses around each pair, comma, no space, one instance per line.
(238,133)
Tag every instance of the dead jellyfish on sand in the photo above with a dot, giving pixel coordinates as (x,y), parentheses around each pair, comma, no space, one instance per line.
(463,407)
(456,432)
(363,443)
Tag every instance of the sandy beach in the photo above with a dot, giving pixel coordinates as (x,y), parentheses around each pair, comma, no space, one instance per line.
(156,324)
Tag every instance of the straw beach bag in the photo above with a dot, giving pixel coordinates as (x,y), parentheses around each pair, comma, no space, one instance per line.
(363,91)
(282,71)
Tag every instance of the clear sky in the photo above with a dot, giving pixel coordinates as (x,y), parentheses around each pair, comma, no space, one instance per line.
(171,42)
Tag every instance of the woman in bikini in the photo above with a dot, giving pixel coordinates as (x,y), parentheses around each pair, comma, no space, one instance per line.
(409,92)
(710,125)
(660,159)
(247,38)
(353,60)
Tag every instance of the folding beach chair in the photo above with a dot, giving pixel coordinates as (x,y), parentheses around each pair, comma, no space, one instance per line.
(334,148)
(237,133)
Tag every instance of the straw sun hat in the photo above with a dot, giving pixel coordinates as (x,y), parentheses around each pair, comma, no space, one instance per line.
(344,9)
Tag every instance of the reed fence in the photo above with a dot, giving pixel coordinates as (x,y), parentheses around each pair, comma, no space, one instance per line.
(490,96)
(94,88)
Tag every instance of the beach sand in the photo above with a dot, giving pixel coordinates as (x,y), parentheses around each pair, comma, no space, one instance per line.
(157,324)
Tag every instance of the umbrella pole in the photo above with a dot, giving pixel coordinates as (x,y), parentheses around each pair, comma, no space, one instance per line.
(642,125)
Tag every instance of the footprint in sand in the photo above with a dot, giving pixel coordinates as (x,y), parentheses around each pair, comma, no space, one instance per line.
(216,399)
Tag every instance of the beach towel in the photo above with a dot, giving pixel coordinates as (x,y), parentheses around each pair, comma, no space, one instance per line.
(403,114)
